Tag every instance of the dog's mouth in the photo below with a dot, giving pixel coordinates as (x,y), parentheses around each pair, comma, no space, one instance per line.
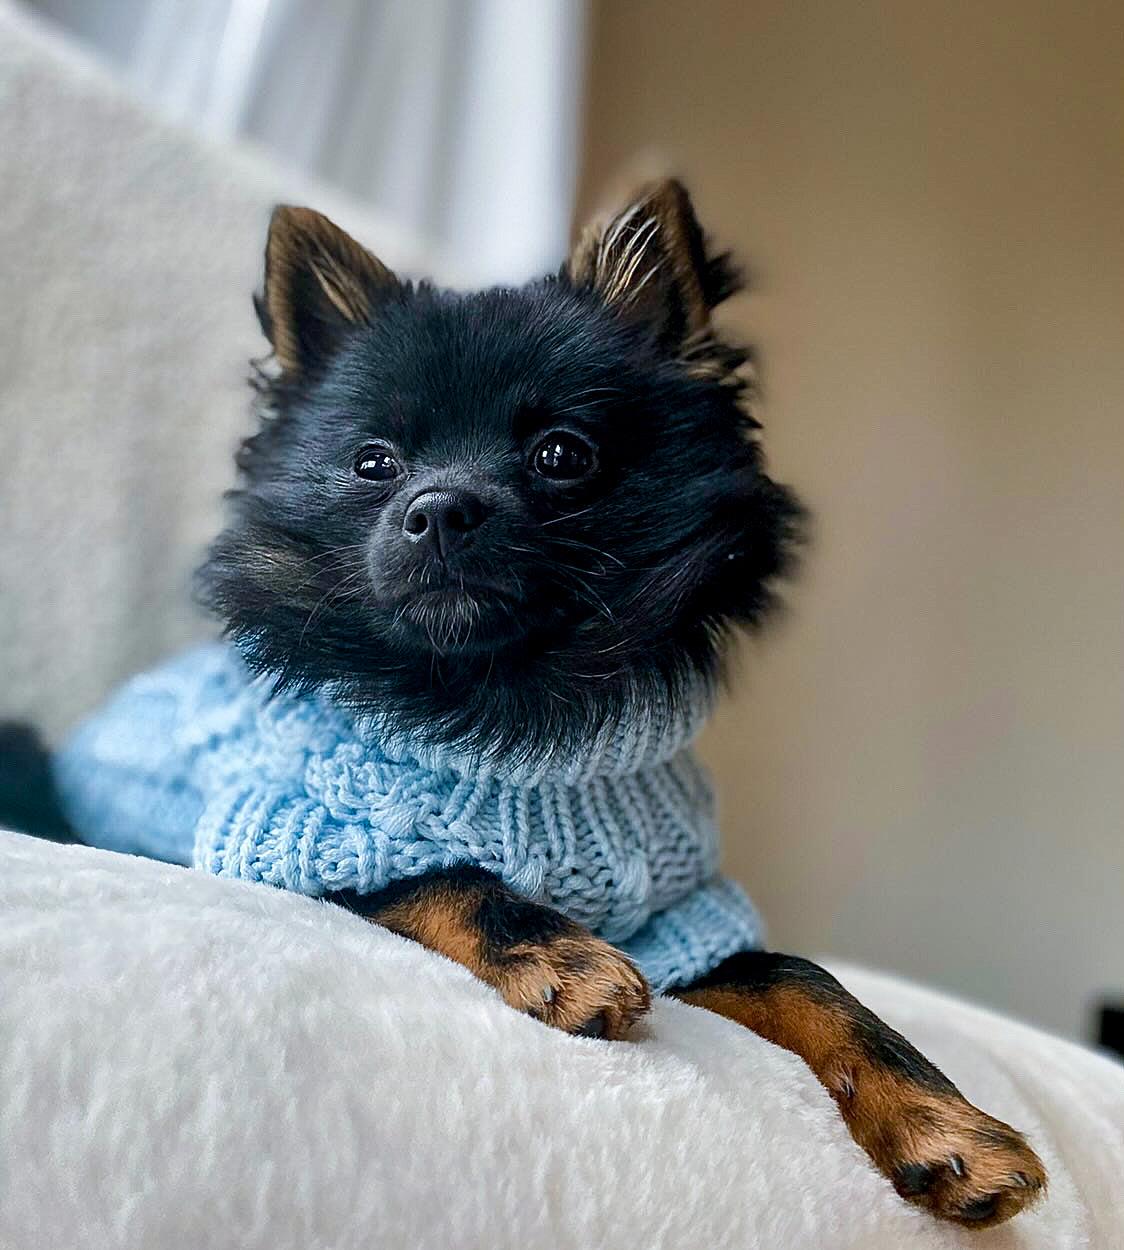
(476,615)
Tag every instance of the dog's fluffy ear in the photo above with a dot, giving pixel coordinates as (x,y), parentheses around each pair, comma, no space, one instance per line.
(649,262)
(319,284)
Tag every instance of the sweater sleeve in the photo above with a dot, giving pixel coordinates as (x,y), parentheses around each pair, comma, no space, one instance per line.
(134,776)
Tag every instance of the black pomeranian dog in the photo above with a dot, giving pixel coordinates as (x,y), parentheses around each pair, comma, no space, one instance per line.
(506,520)
(510,517)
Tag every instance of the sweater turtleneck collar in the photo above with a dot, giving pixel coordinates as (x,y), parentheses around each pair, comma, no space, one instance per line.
(644,737)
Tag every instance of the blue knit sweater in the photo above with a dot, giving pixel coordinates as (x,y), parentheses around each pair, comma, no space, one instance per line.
(196,763)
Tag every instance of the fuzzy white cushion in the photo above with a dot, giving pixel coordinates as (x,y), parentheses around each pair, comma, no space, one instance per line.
(193,1062)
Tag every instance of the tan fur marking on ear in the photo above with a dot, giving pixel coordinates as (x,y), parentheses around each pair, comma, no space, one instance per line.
(651,242)
(677,221)
(346,273)
(346,295)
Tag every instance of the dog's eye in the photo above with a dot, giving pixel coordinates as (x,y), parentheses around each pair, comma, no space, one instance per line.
(563,457)
(376,464)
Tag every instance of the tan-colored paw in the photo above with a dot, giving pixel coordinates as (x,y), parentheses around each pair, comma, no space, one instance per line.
(945,1155)
(576,983)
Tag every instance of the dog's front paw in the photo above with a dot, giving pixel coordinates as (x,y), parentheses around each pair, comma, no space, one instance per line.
(574,982)
(947,1156)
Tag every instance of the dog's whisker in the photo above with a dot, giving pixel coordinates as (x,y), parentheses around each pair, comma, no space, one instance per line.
(574,542)
(569,516)
(328,594)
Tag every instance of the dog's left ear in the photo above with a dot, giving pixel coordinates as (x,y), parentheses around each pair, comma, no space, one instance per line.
(649,262)
(319,285)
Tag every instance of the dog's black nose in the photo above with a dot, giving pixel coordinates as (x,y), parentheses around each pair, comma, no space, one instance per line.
(442,518)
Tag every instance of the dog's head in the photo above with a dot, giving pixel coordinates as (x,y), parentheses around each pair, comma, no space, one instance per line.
(509,515)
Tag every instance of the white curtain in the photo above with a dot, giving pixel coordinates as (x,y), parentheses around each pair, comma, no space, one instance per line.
(457,119)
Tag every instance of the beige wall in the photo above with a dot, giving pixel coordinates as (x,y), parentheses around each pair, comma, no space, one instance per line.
(923,767)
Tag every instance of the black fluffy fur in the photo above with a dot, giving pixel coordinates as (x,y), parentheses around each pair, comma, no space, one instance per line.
(581,603)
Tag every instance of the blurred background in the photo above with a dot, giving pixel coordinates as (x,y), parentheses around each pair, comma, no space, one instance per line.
(922,766)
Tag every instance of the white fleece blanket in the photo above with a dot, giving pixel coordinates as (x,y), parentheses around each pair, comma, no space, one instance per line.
(191,1062)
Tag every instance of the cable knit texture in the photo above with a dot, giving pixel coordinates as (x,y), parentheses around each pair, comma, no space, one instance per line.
(195,762)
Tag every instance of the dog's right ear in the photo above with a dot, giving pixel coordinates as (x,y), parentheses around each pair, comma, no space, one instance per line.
(319,285)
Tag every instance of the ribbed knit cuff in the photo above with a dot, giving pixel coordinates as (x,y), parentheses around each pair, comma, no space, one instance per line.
(691,937)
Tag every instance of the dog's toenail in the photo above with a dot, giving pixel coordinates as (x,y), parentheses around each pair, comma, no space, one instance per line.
(594,1027)
(957,1165)
(912,1179)
(548,994)
(844,1085)
(1021,1180)
(981,1209)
